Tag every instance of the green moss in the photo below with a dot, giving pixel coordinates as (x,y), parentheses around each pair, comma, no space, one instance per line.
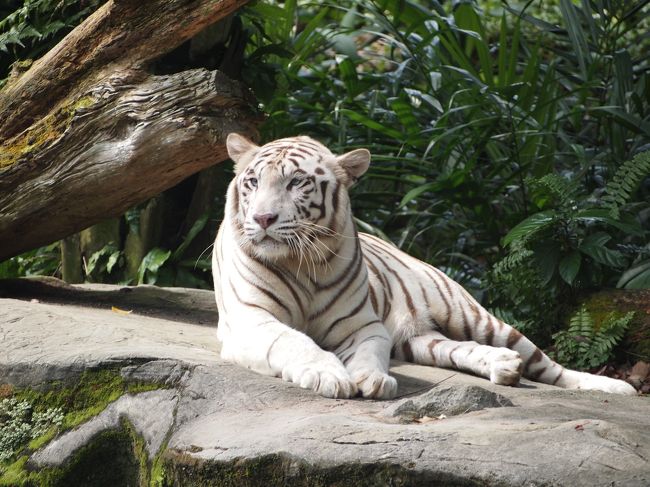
(108,461)
(41,133)
(158,472)
(138,387)
(14,474)
(36,443)
(81,400)
(280,470)
(139,449)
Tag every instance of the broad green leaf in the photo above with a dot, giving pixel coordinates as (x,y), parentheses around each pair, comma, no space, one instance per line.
(598,238)
(309,32)
(603,216)
(151,262)
(603,255)
(577,36)
(637,277)
(371,124)
(112,260)
(415,192)
(198,225)
(349,76)
(628,120)
(529,226)
(569,267)
(546,258)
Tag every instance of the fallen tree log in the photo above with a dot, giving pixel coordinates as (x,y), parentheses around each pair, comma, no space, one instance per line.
(88,131)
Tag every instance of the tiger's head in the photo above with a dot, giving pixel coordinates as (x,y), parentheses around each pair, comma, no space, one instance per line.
(289,197)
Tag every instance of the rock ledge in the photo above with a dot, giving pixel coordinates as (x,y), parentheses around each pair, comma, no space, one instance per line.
(213,423)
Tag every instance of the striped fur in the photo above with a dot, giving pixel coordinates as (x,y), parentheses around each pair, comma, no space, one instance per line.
(303,296)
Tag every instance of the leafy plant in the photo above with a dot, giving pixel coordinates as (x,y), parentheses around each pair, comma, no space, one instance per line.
(29,29)
(44,261)
(498,130)
(19,424)
(626,180)
(583,346)
(460,118)
(103,262)
(167,268)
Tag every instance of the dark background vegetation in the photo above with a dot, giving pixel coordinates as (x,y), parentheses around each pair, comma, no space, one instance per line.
(510,144)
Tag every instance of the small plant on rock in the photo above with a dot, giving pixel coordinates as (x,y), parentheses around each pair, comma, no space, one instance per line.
(19,423)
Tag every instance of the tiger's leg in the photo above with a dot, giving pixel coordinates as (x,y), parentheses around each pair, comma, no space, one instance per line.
(500,365)
(496,351)
(459,316)
(366,354)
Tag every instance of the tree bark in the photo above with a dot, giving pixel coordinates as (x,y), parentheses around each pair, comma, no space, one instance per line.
(88,131)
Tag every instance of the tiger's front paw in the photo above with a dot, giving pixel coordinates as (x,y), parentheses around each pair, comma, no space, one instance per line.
(505,367)
(325,375)
(375,384)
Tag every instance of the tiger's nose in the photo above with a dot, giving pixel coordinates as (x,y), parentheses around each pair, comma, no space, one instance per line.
(265,220)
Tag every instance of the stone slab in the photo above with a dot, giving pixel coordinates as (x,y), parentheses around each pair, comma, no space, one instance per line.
(226,417)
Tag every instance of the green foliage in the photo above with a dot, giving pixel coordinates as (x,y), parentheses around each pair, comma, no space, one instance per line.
(568,240)
(103,262)
(626,180)
(474,126)
(29,29)
(498,130)
(43,261)
(167,268)
(19,423)
(583,346)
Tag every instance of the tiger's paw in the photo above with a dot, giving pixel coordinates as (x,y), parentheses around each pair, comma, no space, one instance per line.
(375,384)
(505,367)
(325,375)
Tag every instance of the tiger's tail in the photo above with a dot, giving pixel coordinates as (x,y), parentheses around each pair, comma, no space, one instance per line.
(466,336)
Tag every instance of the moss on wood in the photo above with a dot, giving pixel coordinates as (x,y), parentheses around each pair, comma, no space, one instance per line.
(41,133)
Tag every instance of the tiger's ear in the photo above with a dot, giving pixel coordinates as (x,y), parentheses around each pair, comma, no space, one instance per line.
(355,163)
(239,146)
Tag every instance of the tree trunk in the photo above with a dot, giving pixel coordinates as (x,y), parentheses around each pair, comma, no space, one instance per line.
(88,131)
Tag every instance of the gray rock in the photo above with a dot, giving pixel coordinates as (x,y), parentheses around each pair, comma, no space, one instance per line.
(150,413)
(224,425)
(446,401)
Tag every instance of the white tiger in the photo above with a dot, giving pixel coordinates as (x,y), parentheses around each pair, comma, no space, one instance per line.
(303,296)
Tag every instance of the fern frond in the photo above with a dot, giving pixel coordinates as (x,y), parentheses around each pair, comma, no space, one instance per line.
(513,260)
(561,189)
(581,347)
(626,179)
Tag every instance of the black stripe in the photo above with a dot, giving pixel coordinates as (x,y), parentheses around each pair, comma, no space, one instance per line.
(381,275)
(365,325)
(246,303)
(356,309)
(263,290)
(356,262)
(441,294)
(335,206)
(407,294)
(339,293)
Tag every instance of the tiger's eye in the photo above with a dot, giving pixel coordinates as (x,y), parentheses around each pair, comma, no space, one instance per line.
(253,182)
(294,182)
